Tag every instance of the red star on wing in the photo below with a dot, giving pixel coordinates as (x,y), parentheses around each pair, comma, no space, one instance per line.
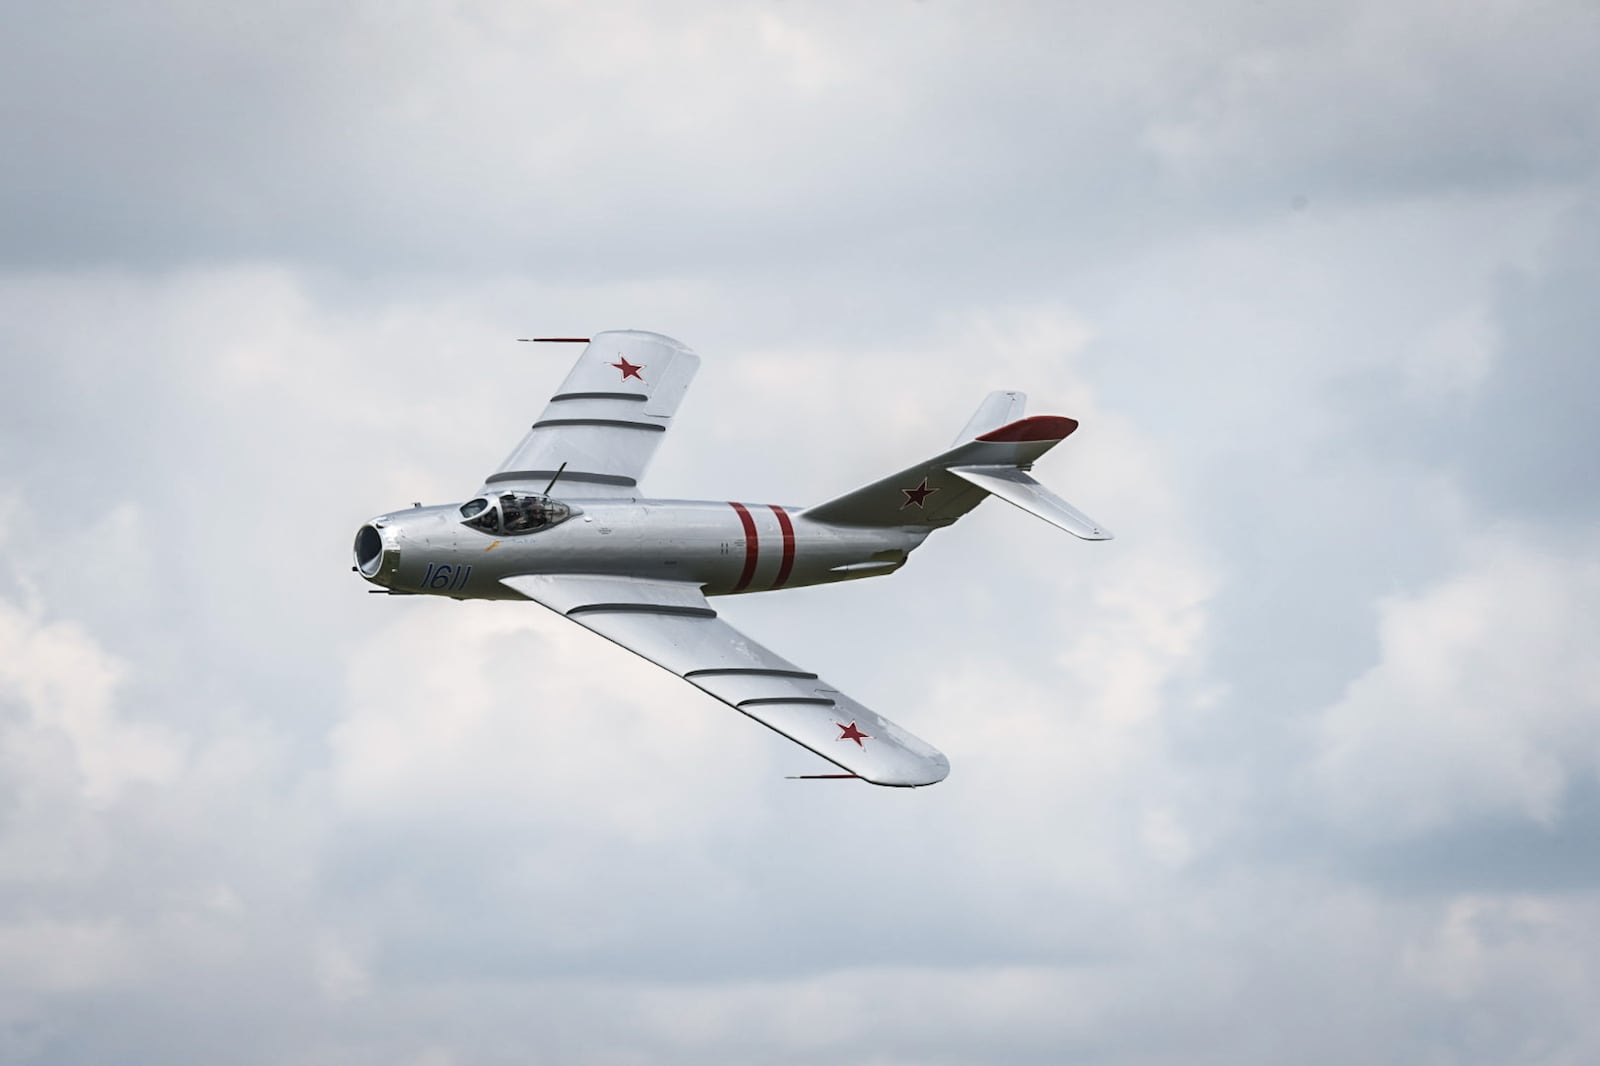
(627,368)
(917,495)
(850,732)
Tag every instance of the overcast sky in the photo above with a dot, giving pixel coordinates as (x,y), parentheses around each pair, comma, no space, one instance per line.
(1303,767)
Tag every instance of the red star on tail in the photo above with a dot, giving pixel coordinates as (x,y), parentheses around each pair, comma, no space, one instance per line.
(918,495)
(627,368)
(850,732)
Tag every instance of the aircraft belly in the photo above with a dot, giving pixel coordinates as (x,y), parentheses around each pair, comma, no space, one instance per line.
(832,553)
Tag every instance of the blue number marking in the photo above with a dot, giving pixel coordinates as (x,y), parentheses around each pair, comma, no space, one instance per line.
(445,576)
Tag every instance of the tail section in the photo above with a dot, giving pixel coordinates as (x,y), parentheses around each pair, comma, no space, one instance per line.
(997,409)
(990,457)
(1016,487)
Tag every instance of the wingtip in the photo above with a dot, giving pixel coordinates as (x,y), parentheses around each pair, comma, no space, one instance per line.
(935,769)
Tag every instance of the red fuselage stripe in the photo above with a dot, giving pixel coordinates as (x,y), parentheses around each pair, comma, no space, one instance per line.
(788,545)
(752,547)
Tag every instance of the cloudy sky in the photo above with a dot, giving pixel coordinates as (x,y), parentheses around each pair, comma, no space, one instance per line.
(1303,767)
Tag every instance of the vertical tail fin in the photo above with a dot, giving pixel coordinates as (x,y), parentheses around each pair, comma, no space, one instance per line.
(989,458)
(997,409)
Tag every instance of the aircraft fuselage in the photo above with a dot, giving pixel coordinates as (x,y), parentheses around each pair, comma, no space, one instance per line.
(727,548)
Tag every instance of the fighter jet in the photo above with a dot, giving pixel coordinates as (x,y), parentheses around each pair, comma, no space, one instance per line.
(563,522)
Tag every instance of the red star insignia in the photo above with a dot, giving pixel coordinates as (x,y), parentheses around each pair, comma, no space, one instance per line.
(850,732)
(917,495)
(627,368)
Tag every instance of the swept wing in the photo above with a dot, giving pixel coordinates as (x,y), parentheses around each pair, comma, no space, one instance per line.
(674,626)
(606,419)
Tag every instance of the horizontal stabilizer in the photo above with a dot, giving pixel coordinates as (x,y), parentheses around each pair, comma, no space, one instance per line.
(1016,487)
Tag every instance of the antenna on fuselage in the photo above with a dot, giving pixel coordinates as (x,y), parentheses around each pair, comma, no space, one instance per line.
(552,484)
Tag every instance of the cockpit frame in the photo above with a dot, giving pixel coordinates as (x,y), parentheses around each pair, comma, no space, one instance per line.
(514,514)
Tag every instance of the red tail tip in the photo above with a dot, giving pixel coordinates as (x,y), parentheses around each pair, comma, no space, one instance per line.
(1039,427)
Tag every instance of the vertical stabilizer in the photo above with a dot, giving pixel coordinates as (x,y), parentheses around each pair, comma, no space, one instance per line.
(998,409)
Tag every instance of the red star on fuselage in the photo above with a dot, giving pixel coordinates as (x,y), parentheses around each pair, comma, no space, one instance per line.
(627,368)
(917,496)
(850,732)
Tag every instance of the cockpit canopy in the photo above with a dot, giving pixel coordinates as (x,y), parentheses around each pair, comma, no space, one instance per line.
(514,513)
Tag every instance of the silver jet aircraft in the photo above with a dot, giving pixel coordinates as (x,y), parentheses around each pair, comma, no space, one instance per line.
(563,522)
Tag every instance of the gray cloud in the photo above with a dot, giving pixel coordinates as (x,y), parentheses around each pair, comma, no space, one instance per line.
(860,142)
(1524,445)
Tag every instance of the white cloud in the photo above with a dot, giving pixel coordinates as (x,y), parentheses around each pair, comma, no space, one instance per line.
(1484,702)
(63,685)
(500,706)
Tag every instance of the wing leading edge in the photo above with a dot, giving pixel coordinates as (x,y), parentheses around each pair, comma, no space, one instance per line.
(606,419)
(674,626)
